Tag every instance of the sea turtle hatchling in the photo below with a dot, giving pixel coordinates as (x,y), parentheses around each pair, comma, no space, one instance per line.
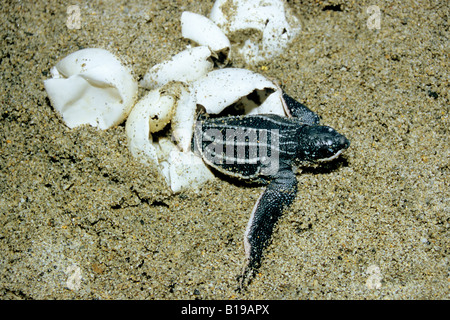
(266,148)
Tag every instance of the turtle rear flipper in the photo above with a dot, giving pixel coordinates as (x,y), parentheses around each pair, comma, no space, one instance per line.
(277,196)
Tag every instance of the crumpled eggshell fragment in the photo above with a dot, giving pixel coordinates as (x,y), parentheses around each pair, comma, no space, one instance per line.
(261,28)
(151,114)
(91,86)
(183,119)
(137,130)
(185,66)
(204,32)
(159,112)
(272,105)
(183,170)
(221,88)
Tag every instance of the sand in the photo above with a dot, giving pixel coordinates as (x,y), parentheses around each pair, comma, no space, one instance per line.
(81,219)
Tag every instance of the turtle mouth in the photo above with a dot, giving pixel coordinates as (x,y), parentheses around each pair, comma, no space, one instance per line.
(343,143)
(334,156)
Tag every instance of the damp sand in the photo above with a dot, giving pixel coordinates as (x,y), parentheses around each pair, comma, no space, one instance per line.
(80,219)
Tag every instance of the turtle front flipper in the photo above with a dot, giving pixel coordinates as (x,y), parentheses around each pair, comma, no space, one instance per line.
(298,110)
(277,196)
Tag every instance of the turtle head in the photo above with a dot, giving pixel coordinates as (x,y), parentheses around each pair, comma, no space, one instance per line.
(320,143)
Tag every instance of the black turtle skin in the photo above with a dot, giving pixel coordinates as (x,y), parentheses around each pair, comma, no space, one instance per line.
(292,140)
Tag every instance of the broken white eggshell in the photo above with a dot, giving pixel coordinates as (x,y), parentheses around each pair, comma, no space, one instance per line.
(192,63)
(223,87)
(183,119)
(185,66)
(262,29)
(91,86)
(151,114)
(182,170)
(204,32)
(137,127)
(180,111)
